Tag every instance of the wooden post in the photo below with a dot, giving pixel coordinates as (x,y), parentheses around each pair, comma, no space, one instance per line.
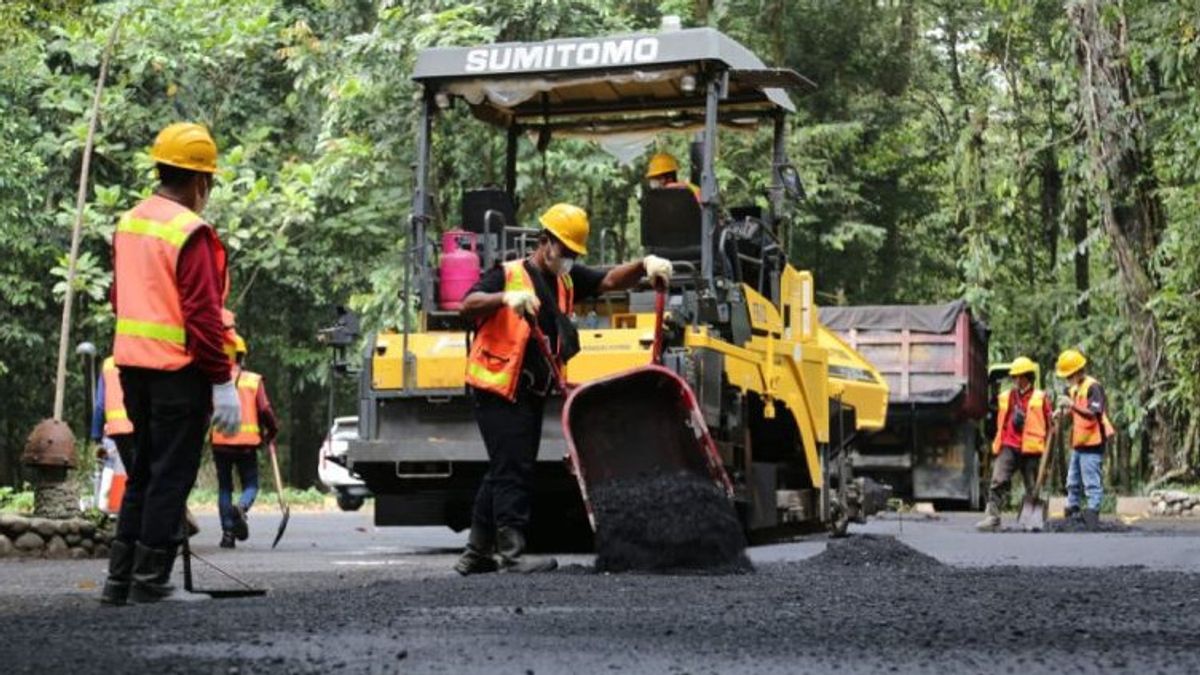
(64,333)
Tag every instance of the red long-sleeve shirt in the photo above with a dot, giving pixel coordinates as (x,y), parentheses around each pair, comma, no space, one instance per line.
(200,289)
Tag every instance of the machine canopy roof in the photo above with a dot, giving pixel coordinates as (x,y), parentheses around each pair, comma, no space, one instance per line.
(610,84)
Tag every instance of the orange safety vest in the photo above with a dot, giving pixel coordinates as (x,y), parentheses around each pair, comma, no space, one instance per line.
(1086,431)
(498,349)
(116,420)
(1033,435)
(249,434)
(150,328)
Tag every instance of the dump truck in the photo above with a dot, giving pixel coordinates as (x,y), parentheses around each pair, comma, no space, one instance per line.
(934,357)
(785,399)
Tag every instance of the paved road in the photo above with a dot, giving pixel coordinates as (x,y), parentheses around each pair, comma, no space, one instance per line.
(348,597)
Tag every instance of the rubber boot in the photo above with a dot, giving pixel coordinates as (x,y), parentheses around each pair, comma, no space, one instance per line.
(120,574)
(241,528)
(152,576)
(1091,519)
(991,518)
(227,539)
(511,545)
(479,556)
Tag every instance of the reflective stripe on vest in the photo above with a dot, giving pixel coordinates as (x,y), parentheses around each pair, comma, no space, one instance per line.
(498,350)
(116,420)
(1086,431)
(248,434)
(1033,434)
(150,329)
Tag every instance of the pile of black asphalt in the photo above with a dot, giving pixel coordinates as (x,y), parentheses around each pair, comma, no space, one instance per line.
(868,605)
(667,523)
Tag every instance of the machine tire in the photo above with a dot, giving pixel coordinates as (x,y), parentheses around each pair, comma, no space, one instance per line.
(349,502)
(839,522)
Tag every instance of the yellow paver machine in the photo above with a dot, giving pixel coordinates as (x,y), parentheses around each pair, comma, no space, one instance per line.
(783,398)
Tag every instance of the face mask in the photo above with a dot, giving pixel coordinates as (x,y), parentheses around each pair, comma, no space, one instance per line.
(557,262)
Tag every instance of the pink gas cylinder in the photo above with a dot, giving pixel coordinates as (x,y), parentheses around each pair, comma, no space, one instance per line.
(460,267)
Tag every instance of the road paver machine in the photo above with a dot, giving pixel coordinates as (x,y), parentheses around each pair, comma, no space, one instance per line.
(784,399)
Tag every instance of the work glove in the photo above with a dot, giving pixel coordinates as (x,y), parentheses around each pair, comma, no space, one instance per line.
(658,268)
(227,410)
(1065,402)
(522,302)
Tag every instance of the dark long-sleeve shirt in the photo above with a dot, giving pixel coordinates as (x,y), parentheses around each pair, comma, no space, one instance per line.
(98,411)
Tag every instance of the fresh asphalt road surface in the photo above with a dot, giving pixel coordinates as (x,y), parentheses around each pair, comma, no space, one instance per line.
(346,596)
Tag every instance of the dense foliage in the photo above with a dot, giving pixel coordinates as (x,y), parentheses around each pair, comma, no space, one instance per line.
(1037,157)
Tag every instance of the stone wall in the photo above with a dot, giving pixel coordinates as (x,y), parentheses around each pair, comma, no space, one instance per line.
(22,536)
(1174,503)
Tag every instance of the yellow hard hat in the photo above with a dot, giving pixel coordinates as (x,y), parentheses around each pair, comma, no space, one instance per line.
(1069,363)
(187,146)
(1022,365)
(239,345)
(660,164)
(569,224)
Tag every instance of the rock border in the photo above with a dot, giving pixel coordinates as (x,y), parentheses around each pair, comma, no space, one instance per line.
(69,538)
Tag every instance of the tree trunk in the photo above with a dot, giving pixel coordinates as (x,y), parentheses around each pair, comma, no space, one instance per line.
(1125,192)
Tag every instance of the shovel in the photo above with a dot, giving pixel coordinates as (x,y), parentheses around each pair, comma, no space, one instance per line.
(283,507)
(1033,507)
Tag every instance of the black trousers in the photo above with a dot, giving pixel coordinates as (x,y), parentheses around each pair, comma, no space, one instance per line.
(170,412)
(512,433)
(1008,463)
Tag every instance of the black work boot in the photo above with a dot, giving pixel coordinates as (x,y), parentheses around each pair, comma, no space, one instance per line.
(120,574)
(1091,519)
(1070,512)
(511,545)
(478,557)
(241,528)
(152,576)
(227,539)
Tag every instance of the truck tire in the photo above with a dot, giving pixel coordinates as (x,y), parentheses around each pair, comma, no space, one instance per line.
(349,502)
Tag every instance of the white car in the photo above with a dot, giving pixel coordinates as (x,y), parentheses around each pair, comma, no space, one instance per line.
(331,465)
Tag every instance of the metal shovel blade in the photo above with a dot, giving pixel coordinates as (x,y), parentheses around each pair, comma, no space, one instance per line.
(1033,514)
(287,513)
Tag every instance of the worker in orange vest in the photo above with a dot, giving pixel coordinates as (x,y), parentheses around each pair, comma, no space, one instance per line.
(1087,405)
(113,431)
(510,378)
(169,285)
(662,173)
(239,450)
(1023,426)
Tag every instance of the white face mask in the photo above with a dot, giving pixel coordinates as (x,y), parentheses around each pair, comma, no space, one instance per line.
(557,262)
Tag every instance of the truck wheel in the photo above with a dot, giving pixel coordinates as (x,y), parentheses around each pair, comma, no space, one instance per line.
(349,502)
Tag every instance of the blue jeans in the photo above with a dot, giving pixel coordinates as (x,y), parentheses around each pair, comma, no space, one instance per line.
(1083,475)
(247,468)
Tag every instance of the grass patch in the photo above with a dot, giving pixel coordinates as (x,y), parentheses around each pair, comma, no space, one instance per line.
(205,496)
(13,500)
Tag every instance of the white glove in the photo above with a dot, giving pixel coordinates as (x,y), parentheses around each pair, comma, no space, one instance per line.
(1065,402)
(227,410)
(522,302)
(658,268)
